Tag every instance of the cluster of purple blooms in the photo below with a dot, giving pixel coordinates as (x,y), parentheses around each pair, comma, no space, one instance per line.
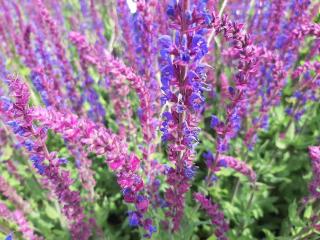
(167,65)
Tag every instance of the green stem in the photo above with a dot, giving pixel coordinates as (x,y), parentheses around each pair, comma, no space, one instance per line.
(235,192)
(224,4)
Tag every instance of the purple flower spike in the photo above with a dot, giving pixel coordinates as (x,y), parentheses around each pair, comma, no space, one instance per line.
(314,153)
(208,156)
(237,165)
(20,119)
(190,172)
(9,237)
(222,163)
(134,219)
(214,121)
(5,103)
(217,217)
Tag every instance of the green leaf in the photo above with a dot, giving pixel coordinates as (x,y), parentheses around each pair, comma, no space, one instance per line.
(280,143)
(269,234)
(7,152)
(290,134)
(293,215)
(51,212)
(293,211)
(308,212)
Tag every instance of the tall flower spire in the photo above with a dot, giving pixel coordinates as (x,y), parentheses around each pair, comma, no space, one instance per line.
(183,79)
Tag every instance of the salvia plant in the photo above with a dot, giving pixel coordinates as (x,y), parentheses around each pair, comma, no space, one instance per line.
(160,119)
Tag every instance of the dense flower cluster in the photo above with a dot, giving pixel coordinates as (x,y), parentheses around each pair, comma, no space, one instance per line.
(147,86)
(183,81)
(103,142)
(17,115)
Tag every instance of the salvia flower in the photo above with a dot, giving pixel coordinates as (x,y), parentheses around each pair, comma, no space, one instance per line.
(134,219)
(101,141)
(19,219)
(11,194)
(9,237)
(214,121)
(272,78)
(171,55)
(217,217)
(57,180)
(314,153)
(228,162)
(306,88)
(183,82)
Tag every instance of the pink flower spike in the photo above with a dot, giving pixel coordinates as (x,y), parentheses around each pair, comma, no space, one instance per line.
(217,217)
(239,166)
